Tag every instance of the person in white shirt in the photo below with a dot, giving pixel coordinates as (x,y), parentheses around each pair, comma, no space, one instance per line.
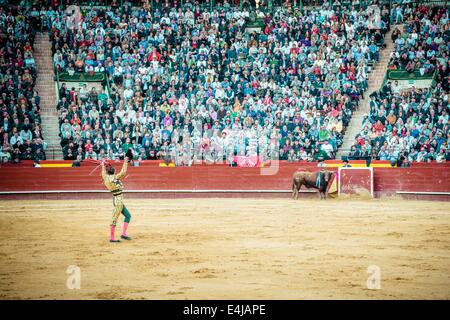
(395,87)
(16,138)
(128,93)
(328,148)
(441,158)
(120,111)
(132,114)
(99,68)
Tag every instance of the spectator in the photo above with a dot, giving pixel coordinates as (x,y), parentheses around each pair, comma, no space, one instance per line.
(19,103)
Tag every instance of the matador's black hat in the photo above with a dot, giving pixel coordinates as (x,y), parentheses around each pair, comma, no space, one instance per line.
(129,154)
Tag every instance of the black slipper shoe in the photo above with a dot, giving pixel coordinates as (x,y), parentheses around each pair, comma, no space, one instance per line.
(114,240)
(125,237)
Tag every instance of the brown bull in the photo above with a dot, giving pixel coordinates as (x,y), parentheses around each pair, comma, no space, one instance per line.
(309,180)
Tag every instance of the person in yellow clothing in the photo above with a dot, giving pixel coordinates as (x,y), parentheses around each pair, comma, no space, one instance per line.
(114,184)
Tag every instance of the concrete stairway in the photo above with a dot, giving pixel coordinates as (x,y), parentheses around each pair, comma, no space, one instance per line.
(375,81)
(45,85)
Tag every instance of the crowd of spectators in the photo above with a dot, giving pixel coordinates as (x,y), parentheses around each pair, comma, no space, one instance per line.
(191,84)
(20,121)
(402,127)
(424,44)
(411,124)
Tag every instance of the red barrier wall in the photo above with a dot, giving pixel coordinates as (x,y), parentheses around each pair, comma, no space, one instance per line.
(148,178)
(386,180)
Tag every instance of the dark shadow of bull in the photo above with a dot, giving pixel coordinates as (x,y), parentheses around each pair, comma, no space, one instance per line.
(309,180)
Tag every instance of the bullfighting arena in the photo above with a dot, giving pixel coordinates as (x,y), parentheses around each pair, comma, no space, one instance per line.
(227,249)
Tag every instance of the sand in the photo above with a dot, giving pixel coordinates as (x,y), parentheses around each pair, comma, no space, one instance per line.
(227,249)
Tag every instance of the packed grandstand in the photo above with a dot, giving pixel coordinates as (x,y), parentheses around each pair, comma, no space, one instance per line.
(188,81)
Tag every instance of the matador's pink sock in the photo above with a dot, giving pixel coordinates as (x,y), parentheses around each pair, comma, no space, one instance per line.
(125,227)
(113,228)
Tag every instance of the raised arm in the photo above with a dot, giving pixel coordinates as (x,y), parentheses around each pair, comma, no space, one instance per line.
(122,172)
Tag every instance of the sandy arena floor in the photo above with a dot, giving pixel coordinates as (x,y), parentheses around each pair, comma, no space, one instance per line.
(227,249)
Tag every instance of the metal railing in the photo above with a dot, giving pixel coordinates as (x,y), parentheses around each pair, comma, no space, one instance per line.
(57,83)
